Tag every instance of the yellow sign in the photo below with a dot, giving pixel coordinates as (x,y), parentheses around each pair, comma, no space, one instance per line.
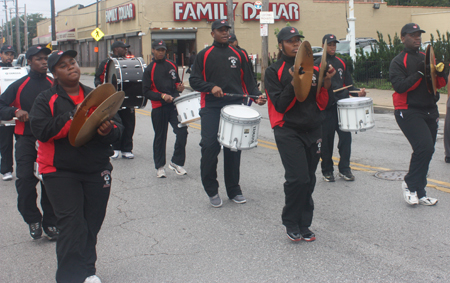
(49,46)
(97,34)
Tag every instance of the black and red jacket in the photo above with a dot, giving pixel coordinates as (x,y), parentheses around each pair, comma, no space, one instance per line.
(101,71)
(21,95)
(224,66)
(50,119)
(284,108)
(160,76)
(409,85)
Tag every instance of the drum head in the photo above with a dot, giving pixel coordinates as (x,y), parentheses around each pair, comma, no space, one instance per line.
(113,75)
(305,59)
(323,67)
(430,74)
(354,101)
(240,111)
(187,96)
(100,105)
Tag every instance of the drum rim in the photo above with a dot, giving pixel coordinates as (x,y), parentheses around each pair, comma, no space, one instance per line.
(188,96)
(222,112)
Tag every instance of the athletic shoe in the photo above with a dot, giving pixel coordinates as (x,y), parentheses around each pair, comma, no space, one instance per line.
(427,201)
(307,234)
(293,234)
(447,159)
(178,169)
(348,176)
(116,154)
(410,197)
(7,176)
(328,177)
(52,233)
(216,201)
(239,199)
(127,155)
(92,279)
(161,172)
(35,230)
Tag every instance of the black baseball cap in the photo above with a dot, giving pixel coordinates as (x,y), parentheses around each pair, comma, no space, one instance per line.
(158,44)
(330,38)
(287,33)
(53,59)
(35,49)
(7,48)
(219,23)
(411,28)
(232,37)
(119,43)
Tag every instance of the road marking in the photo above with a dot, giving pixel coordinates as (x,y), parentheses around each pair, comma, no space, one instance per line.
(445,186)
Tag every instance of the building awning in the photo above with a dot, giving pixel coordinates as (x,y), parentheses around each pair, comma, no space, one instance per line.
(173,33)
(43,39)
(64,35)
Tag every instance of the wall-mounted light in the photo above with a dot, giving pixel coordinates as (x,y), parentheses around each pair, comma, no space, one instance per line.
(376,5)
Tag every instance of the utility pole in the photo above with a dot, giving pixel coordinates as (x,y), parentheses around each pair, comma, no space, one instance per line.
(264,48)
(18,49)
(25,30)
(96,25)
(230,15)
(6,19)
(10,40)
(53,20)
(351,29)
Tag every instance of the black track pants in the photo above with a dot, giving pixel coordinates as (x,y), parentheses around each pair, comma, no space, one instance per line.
(420,128)
(161,117)
(80,202)
(128,117)
(6,149)
(210,151)
(300,163)
(446,131)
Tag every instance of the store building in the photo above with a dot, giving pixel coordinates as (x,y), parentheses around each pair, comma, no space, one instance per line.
(186,26)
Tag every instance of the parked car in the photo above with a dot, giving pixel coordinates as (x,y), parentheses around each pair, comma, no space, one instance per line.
(343,47)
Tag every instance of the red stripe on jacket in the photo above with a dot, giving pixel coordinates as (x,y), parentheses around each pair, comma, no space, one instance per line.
(203,94)
(20,126)
(155,104)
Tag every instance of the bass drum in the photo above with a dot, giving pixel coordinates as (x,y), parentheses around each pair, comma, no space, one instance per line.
(126,75)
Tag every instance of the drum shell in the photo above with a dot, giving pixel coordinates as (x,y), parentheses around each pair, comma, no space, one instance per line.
(238,133)
(355,114)
(188,107)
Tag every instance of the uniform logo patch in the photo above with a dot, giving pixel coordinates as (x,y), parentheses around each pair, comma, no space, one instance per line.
(173,74)
(341,72)
(233,61)
(107,178)
(222,22)
(293,30)
(39,47)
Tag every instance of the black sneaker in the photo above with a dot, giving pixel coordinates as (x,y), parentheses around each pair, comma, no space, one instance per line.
(307,234)
(447,160)
(348,176)
(293,234)
(35,230)
(52,233)
(328,177)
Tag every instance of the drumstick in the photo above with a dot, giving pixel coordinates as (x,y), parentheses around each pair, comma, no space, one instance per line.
(182,59)
(182,76)
(342,88)
(356,91)
(241,95)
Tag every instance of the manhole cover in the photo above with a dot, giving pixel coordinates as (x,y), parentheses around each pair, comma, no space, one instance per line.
(394,175)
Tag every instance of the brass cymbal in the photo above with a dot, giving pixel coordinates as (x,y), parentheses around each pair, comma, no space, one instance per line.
(302,82)
(100,105)
(323,67)
(430,75)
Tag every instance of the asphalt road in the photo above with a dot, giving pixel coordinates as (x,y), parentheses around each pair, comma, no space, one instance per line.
(164,230)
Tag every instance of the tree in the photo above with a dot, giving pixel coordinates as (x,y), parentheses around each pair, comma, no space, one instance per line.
(32,20)
(435,3)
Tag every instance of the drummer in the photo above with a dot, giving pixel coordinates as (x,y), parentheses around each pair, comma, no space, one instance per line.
(161,84)
(330,124)
(16,101)
(6,133)
(217,70)
(78,179)
(297,130)
(127,115)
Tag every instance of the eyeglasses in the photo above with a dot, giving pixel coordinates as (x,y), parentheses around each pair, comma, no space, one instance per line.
(294,39)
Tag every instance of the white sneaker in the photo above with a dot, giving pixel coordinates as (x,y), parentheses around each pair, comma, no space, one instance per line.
(410,197)
(428,201)
(161,172)
(127,155)
(92,279)
(7,176)
(116,154)
(178,169)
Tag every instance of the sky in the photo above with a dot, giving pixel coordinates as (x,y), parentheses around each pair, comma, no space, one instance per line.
(41,6)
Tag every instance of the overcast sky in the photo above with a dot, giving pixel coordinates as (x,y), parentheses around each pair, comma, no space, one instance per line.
(41,6)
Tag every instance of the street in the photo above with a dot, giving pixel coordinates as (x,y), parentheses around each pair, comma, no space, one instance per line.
(165,230)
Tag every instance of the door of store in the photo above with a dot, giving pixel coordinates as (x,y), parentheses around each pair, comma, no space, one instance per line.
(179,45)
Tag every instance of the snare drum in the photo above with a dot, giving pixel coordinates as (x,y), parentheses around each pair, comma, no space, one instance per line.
(126,75)
(188,108)
(238,127)
(355,114)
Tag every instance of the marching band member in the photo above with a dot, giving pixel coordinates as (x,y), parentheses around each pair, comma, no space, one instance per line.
(330,124)
(17,101)
(232,40)
(217,70)
(127,115)
(6,133)
(161,84)
(297,130)
(78,179)
(416,112)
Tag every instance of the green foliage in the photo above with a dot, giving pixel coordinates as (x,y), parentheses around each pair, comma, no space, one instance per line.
(32,20)
(436,3)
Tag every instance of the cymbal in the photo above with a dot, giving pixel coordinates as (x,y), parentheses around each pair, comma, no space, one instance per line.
(323,67)
(100,105)
(302,82)
(431,74)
